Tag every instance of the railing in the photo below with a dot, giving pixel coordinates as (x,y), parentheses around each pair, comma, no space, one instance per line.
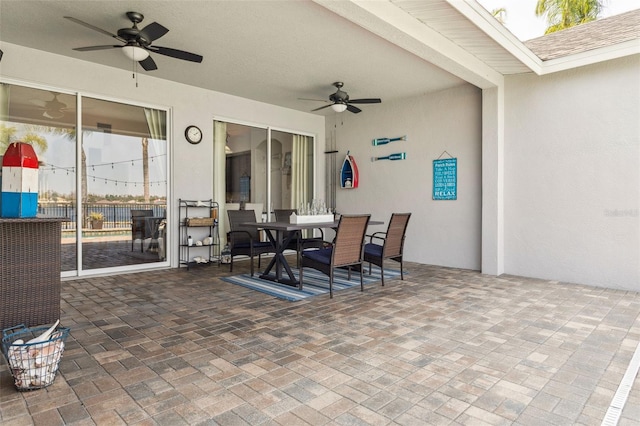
(116,215)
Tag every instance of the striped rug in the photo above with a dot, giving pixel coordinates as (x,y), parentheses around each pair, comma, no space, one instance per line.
(315,283)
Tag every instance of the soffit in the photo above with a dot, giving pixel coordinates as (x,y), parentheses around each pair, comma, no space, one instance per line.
(440,16)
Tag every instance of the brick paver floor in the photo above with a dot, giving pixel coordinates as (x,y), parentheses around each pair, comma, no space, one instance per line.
(444,346)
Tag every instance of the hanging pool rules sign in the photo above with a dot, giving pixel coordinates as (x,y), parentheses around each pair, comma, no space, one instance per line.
(445,179)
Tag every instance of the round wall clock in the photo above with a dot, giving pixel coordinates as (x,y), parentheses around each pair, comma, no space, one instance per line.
(193,134)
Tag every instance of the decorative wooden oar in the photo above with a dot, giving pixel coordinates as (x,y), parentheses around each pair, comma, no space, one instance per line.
(397,156)
(384,141)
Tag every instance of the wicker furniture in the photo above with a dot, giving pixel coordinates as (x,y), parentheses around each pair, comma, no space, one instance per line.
(140,228)
(392,244)
(29,271)
(245,240)
(347,250)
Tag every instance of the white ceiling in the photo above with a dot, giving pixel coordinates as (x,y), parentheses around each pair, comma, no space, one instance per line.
(268,50)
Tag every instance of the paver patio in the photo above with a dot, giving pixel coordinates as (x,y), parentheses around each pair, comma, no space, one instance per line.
(444,346)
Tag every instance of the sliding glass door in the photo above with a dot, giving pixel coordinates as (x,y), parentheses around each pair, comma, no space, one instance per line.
(123,182)
(263,169)
(96,179)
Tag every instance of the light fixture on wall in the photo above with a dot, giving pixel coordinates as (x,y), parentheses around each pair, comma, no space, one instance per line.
(135,53)
(339,107)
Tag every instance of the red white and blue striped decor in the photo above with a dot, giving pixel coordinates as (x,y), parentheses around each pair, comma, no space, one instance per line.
(19,181)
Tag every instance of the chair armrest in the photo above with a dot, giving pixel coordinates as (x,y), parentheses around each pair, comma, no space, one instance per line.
(321,232)
(377,236)
(304,242)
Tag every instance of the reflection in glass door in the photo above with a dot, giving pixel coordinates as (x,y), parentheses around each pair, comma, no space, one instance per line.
(122,170)
(292,169)
(263,169)
(123,184)
(46,120)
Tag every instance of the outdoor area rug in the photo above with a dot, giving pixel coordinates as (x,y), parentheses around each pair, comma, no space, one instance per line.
(315,282)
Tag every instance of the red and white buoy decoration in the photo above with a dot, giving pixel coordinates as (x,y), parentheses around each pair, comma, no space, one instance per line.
(19,181)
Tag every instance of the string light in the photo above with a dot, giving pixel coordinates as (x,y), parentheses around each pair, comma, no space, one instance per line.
(53,168)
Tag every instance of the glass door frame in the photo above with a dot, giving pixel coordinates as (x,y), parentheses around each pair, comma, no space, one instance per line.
(219,164)
(79,95)
(80,272)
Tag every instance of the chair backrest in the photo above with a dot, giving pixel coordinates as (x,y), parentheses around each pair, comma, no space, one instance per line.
(282,215)
(394,242)
(349,241)
(141,213)
(236,217)
(138,224)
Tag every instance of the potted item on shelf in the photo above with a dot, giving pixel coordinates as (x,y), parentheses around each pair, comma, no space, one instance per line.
(97,219)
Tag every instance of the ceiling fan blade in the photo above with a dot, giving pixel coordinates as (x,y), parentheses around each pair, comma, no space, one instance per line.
(322,107)
(90,48)
(100,30)
(365,101)
(175,53)
(148,64)
(316,100)
(153,31)
(353,109)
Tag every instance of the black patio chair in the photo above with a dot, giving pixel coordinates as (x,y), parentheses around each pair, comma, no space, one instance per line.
(140,228)
(246,240)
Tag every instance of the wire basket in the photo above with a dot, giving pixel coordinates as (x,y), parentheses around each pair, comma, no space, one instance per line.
(33,365)
(200,221)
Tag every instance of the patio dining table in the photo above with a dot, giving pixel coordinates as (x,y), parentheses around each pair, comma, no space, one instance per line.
(280,235)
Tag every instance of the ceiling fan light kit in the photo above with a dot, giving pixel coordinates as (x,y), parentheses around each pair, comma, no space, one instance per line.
(53,114)
(135,53)
(339,101)
(339,107)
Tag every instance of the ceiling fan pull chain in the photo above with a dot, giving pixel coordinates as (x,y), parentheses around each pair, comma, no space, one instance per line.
(135,71)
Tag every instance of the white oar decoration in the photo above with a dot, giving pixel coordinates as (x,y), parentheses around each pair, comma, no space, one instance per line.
(384,141)
(397,156)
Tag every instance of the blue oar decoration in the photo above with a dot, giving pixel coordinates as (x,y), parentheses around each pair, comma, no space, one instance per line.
(397,156)
(384,141)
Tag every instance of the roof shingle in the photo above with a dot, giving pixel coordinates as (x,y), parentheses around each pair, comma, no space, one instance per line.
(593,35)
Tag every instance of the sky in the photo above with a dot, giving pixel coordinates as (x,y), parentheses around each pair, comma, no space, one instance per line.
(521,19)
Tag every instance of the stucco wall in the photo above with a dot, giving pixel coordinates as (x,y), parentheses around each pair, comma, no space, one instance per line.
(191,165)
(443,233)
(572,175)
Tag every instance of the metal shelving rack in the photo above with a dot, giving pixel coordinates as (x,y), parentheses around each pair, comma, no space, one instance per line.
(198,219)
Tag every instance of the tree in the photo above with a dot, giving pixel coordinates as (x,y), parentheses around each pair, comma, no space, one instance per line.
(500,14)
(145,168)
(563,14)
(30,136)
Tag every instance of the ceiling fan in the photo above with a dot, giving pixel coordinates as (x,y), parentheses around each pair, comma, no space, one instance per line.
(138,42)
(339,101)
(53,109)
